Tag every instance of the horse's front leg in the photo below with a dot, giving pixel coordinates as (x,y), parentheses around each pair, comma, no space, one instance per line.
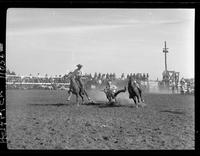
(82,98)
(77,102)
(135,100)
(69,97)
(138,99)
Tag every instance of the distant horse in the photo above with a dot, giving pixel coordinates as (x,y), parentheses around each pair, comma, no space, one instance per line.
(76,89)
(134,91)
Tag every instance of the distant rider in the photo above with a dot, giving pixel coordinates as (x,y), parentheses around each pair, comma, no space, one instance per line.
(182,81)
(182,84)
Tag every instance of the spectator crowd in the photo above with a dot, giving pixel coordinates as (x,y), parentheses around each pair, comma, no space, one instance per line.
(38,82)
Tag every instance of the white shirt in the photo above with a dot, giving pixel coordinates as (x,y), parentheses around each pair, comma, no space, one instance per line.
(113,88)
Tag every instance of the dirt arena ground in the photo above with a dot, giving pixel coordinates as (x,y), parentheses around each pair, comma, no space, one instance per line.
(39,119)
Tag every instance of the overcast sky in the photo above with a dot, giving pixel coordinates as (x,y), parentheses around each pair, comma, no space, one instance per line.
(53,41)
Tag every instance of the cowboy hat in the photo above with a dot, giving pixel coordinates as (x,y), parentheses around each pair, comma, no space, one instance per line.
(79,65)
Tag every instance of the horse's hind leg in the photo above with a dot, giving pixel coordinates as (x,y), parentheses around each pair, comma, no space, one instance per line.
(77,102)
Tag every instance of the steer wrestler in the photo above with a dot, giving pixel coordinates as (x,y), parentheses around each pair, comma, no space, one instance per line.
(111,91)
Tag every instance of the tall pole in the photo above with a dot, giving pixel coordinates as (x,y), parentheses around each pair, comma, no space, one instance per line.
(165,51)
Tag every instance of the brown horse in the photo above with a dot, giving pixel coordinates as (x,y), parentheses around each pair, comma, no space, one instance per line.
(134,91)
(77,89)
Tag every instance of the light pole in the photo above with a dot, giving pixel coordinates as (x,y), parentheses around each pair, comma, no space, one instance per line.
(165,50)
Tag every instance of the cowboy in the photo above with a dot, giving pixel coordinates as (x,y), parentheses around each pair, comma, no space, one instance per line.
(111,87)
(78,74)
(182,81)
(183,85)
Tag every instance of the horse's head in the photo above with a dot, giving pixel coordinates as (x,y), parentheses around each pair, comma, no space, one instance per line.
(70,75)
(130,80)
(134,82)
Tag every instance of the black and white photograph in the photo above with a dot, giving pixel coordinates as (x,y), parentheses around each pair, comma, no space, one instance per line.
(100,79)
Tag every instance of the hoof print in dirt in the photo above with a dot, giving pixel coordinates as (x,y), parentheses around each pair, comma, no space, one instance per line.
(105,138)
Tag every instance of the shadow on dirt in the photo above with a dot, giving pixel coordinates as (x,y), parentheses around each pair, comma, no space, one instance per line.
(115,105)
(103,104)
(172,111)
(99,104)
(52,104)
(94,103)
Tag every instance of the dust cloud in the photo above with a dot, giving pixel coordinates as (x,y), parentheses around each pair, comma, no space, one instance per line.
(99,96)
